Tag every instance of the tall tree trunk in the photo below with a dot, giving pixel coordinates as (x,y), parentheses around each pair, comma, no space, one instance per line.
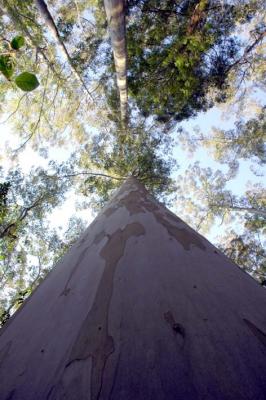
(115,12)
(142,307)
(47,17)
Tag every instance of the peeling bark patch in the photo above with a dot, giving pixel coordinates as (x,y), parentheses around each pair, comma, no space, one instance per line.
(172,216)
(66,289)
(181,235)
(93,339)
(137,201)
(177,328)
(65,292)
(256,331)
(133,203)
(185,238)
(132,184)
(109,211)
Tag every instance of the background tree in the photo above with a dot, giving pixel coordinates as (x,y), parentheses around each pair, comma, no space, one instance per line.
(204,200)
(38,117)
(246,141)
(25,202)
(37,250)
(246,250)
(180,51)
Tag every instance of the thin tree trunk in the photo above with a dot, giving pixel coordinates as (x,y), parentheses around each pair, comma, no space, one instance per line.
(12,12)
(199,14)
(251,210)
(23,214)
(247,51)
(115,12)
(141,308)
(47,17)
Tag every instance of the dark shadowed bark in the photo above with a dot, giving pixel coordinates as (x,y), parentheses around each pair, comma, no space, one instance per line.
(115,12)
(141,308)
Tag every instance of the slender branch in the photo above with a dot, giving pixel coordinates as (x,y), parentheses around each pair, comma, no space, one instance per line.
(89,22)
(14,112)
(78,13)
(39,118)
(239,208)
(247,51)
(2,281)
(164,11)
(223,217)
(204,217)
(21,217)
(32,285)
(86,173)
(29,18)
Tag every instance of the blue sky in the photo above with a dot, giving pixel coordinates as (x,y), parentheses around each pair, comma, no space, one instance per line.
(216,117)
(205,121)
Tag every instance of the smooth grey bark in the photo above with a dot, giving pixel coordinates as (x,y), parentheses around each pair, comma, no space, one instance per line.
(115,12)
(141,308)
(47,17)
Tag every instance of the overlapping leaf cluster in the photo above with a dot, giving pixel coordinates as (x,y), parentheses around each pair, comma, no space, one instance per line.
(179,51)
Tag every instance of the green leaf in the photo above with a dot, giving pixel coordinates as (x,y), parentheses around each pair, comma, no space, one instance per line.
(7,66)
(17,42)
(27,81)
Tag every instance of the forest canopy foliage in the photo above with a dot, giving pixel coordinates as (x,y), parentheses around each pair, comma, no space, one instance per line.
(60,104)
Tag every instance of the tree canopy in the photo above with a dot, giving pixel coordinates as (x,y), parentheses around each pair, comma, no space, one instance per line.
(179,52)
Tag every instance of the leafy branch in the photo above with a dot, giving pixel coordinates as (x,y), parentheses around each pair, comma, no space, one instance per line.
(26,81)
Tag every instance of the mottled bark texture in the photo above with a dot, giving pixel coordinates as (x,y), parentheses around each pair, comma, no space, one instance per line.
(115,12)
(141,308)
